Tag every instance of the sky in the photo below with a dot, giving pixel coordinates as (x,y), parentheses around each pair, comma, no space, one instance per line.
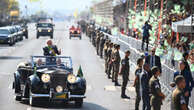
(55,5)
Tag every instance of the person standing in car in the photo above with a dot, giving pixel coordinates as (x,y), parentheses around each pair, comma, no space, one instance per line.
(51,50)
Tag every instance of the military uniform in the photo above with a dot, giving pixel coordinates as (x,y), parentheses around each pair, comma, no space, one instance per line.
(102,41)
(97,44)
(178,99)
(155,89)
(106,57)
(125,74)
(137,88)
(145,90)
(109,61)
(116,64)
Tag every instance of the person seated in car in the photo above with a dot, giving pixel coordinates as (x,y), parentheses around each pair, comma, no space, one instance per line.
(59,62)
(39,63)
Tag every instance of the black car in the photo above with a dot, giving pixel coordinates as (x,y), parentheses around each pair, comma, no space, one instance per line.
(6,36)
(44,29)
(51,78)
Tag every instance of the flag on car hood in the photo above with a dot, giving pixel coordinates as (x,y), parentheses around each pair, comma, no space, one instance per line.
(80,73)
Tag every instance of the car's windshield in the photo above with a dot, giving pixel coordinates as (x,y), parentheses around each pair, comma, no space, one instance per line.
(52,61)
(4,31)
(44,25)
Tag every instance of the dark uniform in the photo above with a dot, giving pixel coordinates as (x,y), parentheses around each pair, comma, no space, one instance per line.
(125,74)
(145,90)
(155,89)
(116,64)
(178,99)
(137,88)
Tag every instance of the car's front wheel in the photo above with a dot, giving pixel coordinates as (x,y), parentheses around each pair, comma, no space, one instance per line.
(18,98)
(11,43)
(79,103)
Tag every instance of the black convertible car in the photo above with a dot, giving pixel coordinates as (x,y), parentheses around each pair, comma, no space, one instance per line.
(48,77)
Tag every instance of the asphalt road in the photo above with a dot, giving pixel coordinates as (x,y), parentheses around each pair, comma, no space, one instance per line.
(101,94)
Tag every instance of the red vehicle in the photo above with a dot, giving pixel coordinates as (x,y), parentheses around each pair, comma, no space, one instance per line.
(75,32)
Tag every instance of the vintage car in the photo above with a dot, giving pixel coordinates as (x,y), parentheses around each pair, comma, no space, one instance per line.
(75,32)
(48,77)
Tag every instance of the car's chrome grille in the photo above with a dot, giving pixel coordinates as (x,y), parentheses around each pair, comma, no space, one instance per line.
(59,79)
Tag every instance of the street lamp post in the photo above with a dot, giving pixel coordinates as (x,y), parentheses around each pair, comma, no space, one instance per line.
(26,7)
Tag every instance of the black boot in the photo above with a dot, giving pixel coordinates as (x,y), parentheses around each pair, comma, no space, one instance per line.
(117,84)
(123,95)
(109,77)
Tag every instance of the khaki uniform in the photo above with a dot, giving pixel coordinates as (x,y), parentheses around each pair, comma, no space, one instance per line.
(116,64)
(109,61)
(125,74)
(178,99)
(106,58)
(155,89)
(98,44)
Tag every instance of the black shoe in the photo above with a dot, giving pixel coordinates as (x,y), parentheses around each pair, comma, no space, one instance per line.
(109,77)
(117,84)
(113,80)
(125,96)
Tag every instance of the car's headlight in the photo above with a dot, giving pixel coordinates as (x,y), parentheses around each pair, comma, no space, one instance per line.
(49,30)
(45,78)
(39,30)
(71,78)
(59,89)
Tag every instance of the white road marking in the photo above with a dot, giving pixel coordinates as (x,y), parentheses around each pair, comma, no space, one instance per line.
(110,88)
(29,108)
(126,100)
(131,89)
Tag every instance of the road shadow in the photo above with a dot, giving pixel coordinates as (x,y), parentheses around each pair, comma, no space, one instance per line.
(75,39)
(4,46)
(10,58)
(67,106)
